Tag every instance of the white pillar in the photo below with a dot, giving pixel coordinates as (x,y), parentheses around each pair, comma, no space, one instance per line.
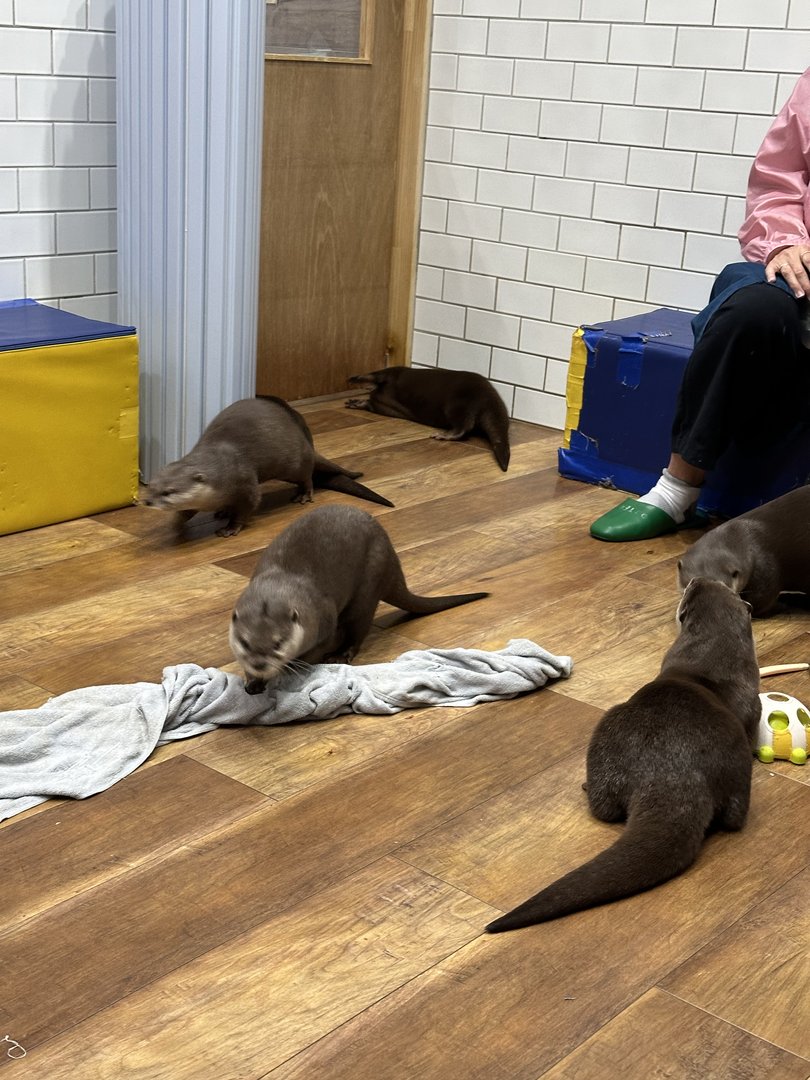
(190,84)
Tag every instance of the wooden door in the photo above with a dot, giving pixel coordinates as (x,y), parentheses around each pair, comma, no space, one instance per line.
(341,167)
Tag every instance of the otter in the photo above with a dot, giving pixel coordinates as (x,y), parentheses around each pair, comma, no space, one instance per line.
(249,442)
(314,592)
(462,401)
(674,760)
(759,554)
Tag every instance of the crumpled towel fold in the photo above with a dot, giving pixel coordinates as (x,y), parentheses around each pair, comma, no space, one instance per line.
(86,740)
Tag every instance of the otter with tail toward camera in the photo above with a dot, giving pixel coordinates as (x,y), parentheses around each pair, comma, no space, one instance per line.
(674,760)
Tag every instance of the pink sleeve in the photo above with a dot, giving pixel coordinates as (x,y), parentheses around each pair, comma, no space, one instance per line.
(776,204)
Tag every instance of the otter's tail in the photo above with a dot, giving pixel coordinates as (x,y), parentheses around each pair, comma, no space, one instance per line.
(658,843)
(494,422)
(426,605)
(328,474)
(376,378)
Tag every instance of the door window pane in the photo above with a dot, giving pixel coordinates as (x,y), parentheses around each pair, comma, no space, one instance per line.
(316,28)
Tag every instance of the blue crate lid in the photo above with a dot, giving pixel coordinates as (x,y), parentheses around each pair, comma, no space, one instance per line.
(664,326)
(26,323)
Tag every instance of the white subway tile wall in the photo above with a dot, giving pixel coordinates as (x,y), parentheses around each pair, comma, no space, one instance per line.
(586,160)
(57,154)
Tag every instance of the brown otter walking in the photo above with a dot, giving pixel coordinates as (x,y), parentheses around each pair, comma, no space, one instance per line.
(674,760)
(462,401)
(759,554)
(315,590)
(249,442)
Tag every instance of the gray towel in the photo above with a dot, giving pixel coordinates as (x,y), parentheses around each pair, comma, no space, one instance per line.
(86,740)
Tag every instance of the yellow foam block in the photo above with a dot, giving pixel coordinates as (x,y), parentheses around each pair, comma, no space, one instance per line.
(68,431)
(575,386)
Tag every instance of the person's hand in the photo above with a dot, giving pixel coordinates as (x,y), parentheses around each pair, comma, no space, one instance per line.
(792,263)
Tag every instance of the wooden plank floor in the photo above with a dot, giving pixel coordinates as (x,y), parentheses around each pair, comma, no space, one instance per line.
(308,901)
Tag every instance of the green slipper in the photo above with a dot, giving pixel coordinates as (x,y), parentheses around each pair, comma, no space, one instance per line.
(633,520)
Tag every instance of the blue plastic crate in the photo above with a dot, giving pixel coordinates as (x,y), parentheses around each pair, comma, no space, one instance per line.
(623,384)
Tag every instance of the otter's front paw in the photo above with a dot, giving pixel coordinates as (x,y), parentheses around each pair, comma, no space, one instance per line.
(255,686)
(344,657)
(233,528)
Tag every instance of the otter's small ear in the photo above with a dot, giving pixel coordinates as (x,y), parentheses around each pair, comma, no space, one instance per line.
(294,616)
(233,617)
(748,605)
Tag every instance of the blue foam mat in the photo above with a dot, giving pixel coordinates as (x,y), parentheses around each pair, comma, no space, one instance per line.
(25,324)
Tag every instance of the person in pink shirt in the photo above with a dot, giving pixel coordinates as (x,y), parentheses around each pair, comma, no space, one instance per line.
(749,373)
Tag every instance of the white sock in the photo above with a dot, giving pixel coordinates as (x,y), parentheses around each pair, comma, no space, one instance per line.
(675,497)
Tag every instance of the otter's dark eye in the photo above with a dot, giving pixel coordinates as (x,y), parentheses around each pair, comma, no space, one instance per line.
(278,643)
(233,617)
(294,616)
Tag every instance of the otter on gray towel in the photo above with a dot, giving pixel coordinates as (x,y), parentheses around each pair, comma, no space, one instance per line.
(248,443)
(759,554)
(461,401)
(674,760)
(314,592)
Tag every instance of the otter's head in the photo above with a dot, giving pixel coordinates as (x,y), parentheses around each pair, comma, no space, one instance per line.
(265,635)
(710,558)
(713,604)
(181,487)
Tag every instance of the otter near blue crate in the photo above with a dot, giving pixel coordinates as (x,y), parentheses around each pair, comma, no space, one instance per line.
(759,554)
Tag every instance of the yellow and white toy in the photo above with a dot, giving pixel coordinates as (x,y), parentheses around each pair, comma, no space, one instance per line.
(784,729)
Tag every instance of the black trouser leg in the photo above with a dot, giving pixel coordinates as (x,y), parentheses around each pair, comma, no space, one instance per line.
(747,380)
